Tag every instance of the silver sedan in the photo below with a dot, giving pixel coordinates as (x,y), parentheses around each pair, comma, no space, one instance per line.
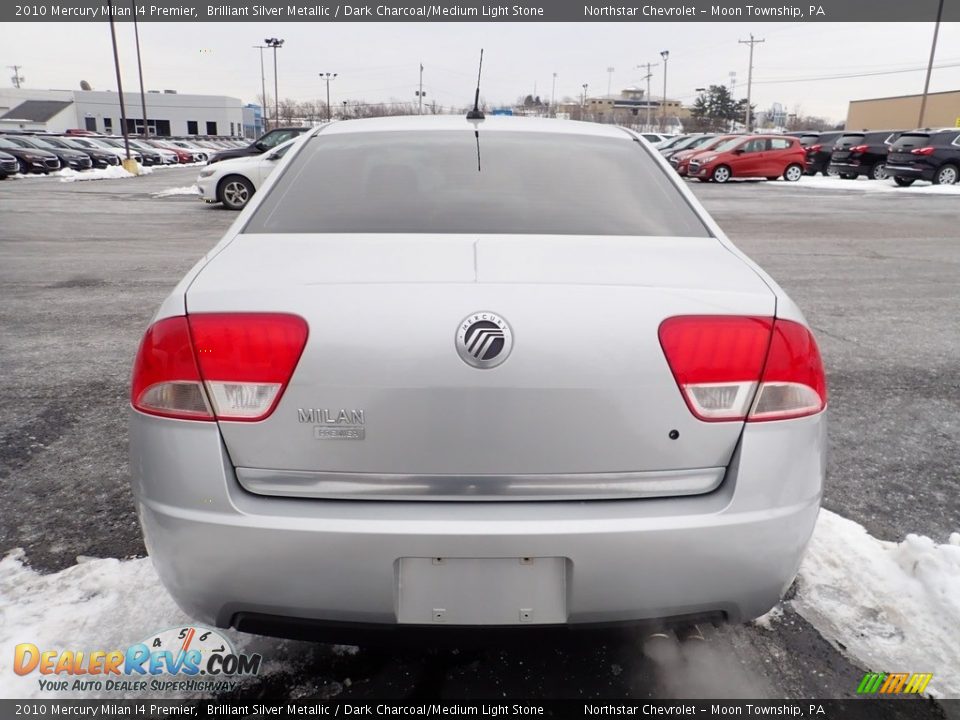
(452,373)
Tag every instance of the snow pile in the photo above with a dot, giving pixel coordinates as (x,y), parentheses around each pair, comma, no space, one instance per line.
(114,172)
(864,185)
(895,607)
(185,190)
(101,605)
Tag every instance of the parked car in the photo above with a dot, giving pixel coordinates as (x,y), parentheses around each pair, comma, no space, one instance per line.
(670,142)
(689,143)
(302,423)
(160,155)
(9,165)
(183,155)
(767,156)
(30,159)
(200,154)
(680,160)
(260,145)
(234,182)
(147,154)
(819,147)
(654,138)
(926,155)
(99,157)
(73,159)
(101,143)
(862,153)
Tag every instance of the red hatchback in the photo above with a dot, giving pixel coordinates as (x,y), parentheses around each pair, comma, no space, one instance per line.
(766,156)
(680,161)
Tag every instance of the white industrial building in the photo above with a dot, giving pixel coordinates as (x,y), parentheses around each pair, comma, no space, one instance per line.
(168,112)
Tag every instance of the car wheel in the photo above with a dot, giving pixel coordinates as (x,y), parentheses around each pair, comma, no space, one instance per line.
(878,172)
(793,173)
(235,191)
(23,167)
(830,173)
(720,174)
(946,175)
(904,181)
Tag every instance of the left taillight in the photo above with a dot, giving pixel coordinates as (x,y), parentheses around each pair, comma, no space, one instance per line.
(217,366)
(859,148)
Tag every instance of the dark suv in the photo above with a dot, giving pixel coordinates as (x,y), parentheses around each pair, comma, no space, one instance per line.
(926,155)
(260,145)
(819,145)
(862,153)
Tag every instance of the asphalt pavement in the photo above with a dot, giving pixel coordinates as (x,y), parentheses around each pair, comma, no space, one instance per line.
(84,265)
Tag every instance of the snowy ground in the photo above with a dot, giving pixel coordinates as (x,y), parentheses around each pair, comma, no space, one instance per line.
(891,606)
(183,190)
(864,185)
(114,172)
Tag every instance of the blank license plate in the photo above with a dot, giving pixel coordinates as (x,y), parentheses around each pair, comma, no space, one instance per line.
(482,591)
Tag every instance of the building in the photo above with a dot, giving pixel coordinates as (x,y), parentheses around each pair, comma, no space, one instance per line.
(168,112)
(629,108)
(252,121)
(903,112)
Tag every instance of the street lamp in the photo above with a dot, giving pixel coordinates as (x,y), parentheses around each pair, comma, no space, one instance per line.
(328,77)
(553,94)
(665,54)
(275,43)
(263,89)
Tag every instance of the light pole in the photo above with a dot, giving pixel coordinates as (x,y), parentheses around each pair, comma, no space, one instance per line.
(665,54)
(128,164)
(275,43)
(263,88)
(609,79)
(553,94)
(420,93)
(328,77)
(933,51)
(143,97)
(583,102)
(649,125)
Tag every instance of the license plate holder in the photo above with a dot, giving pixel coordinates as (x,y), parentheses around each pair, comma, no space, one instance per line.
(482,591)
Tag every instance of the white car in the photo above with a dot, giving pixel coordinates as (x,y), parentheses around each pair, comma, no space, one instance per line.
(233,182)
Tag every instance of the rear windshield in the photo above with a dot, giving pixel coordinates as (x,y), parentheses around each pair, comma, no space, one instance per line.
(452,181)
(806,140)
(850,140)
(909,141)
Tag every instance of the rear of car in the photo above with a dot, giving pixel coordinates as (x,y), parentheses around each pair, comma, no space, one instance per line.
(819,148)
(857,154)
(932,155)
(505,373)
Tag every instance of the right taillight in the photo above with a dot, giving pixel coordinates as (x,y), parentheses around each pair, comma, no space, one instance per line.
(736,368)
(814,148)
(928,150)
(223,366)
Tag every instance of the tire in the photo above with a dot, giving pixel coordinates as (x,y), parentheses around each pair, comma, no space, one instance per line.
(878,172)
(24,169)
(720,174)
(830,173)
(235,191)
(703,179)
(773,177)
(947,175)
(793,173)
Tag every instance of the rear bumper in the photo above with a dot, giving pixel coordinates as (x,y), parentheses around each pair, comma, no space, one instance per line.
(924,172)
(849,168)
(225,554)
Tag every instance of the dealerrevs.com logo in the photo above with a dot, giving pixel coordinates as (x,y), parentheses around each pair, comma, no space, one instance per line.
(186,659)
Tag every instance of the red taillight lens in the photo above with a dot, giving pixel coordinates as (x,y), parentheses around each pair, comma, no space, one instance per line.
(859,148)
(814,148)
(928,150)
(736,368)
(239,364)
(166,380)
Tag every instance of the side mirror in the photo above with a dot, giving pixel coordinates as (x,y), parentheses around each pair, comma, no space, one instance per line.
(273,157)
(262,147)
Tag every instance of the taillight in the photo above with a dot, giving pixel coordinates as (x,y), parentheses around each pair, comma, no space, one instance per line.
(814,148)
(859,148)
(225,366)
(928,150)
(744,368)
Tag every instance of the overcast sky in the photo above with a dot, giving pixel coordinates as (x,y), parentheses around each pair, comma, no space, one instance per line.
(379,61)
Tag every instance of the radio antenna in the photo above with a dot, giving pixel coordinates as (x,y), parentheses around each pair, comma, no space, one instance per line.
(476,113)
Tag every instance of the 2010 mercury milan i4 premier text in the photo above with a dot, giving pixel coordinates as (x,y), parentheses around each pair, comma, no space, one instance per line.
(501,372)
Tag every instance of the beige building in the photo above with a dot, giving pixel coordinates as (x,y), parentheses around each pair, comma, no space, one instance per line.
(903,112)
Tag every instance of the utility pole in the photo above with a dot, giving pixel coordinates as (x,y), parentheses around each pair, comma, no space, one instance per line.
(649,125)
(933,51)
(665,54)
(583,102)
(328,77)
(609,79)
(263,89)
(17,77)
(419,93)
(751,42)
(127,164)
(275,43)
(143,96)
(553,95)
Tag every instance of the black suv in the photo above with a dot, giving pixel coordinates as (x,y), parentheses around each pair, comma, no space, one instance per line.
(260,145)
(926,155)
(862,153)
(819,145)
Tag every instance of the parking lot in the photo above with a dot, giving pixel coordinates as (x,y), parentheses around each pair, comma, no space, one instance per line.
(83,266)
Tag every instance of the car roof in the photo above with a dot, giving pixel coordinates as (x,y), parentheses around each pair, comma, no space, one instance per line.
(497,123)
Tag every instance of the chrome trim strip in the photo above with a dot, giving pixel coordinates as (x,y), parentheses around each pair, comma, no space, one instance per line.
(460,488)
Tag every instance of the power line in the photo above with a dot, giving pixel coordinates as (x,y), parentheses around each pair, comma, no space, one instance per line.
(846,76)
(751,42)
